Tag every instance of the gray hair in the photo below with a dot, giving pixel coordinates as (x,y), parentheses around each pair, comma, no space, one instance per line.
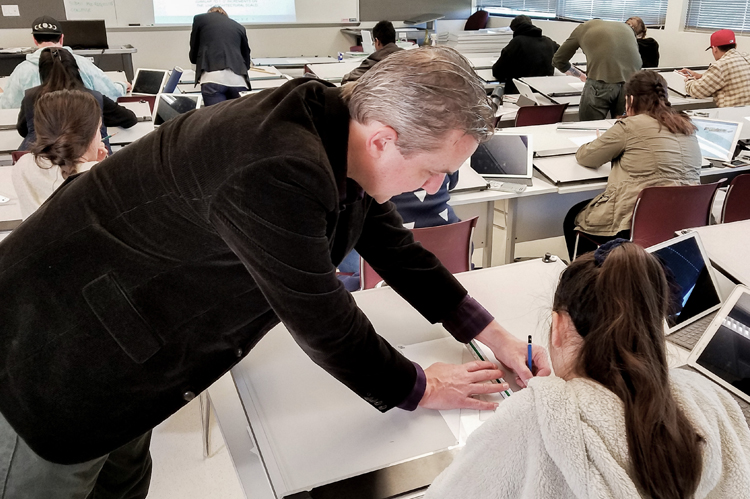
(422,94)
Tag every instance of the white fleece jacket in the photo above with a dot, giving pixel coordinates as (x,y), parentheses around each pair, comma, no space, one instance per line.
(559,439)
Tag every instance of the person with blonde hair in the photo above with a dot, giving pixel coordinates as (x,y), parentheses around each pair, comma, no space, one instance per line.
(614,422)
(647,47)
(139,284)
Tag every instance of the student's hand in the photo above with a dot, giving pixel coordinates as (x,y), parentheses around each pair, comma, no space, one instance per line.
(689,74)
(512,352)
(128,88)
(101,152)
(450,386)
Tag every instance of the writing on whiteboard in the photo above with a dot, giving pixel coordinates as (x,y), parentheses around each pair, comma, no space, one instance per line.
(91,9)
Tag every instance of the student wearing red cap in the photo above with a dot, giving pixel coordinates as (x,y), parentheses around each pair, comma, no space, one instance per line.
(728,79)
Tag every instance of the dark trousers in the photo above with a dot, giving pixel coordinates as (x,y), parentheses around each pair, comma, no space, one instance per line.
(598,98)
(124,473)
(213,93)
(586,242)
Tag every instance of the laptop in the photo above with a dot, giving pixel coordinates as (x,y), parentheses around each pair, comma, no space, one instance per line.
(723,353)
(149,81)
(717,138)
(696,296)
(85,34)
(170,106)
(507,157)
(526,95)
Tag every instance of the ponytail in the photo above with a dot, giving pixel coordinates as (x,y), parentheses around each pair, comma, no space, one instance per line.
(649,93)
(58,70)
(618,302)
(66,122)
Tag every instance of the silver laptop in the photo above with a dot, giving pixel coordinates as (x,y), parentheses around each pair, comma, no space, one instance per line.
(526,95)
(696,296)
(723,353)
(507,157)
(170,106)
(717,138)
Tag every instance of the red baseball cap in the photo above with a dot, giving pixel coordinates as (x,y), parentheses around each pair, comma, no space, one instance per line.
(722,37)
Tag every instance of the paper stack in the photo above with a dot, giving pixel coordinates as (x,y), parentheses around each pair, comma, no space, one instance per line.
(482,41)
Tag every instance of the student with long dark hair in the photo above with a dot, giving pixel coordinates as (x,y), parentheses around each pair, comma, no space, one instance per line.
(68,141)
(653,145)
(614,422)
(58,70)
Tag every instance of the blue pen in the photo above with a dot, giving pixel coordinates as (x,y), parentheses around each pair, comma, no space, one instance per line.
(529,355)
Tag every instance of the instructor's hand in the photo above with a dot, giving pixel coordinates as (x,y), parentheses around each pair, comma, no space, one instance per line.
(512,352)
(451,386)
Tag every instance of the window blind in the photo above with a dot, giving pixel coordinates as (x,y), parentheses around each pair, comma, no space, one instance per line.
(653,12)
(712,15)
(519,6)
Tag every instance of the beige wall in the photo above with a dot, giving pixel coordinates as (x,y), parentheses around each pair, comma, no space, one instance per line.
(163,48)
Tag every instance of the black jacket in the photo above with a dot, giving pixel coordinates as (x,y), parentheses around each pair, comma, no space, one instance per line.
(141,282)
(218,42)
(113,114)
(649,50)
(529,53)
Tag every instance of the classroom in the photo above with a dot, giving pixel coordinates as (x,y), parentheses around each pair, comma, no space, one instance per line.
(372,249)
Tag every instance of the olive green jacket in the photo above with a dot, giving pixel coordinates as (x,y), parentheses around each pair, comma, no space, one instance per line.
(643,154)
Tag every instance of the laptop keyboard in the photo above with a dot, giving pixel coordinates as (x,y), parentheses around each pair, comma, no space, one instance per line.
(689,335)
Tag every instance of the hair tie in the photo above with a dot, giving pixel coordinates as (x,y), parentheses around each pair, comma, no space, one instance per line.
(603,251)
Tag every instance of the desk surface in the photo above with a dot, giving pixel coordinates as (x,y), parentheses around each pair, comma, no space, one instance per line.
(317,432)
(334,72)
(555,85)
(726,246)
(292,62)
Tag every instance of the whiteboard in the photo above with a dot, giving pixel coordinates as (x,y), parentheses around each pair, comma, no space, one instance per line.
(92,9)
(129,12)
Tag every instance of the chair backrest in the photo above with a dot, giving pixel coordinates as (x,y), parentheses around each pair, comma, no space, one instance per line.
(540,115)
(451,244)
(16,155)
(737,202)
(151,99)
(659,212)
(478,20)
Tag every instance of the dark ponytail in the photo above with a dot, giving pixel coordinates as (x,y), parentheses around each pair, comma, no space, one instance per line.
(58,70)
(618,306)
(650,95)
(66,122)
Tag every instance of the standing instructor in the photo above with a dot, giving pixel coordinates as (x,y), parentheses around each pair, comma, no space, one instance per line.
(141,282)
(221,54)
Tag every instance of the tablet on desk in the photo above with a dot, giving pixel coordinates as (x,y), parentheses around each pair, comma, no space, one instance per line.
(170,106)
(149,81)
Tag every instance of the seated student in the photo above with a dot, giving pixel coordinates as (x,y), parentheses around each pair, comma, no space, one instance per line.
(653,146)
(58,70)
(529,53)
(648,47)
(614,422)
(47,33)
(68,141)
(418,209)
(728,79)
(384,35)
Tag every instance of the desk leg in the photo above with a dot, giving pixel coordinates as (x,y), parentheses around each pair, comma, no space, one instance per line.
(233,422)
(488,232)
(510,230)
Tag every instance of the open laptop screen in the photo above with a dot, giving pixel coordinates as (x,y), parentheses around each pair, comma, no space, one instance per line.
(717,139)
(693,290)
(170,106)
(505,156)
(727,353)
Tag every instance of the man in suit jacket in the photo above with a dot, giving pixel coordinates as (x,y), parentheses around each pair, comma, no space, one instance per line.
(142,281)
(221,54)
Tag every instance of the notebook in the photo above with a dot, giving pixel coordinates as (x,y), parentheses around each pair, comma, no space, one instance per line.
(696,290)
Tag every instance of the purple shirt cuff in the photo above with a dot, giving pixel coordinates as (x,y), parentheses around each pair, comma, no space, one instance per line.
(412,401)
(468,320)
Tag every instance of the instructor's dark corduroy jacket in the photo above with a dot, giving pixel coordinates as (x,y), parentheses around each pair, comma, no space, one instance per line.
(218,42)
(140,282)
